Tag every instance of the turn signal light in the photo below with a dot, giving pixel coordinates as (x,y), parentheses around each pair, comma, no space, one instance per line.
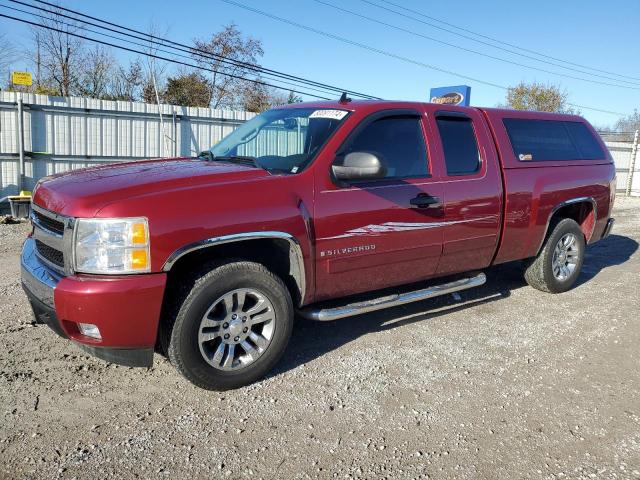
(139,259)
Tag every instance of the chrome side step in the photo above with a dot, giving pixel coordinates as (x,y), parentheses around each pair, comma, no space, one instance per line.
(358,308)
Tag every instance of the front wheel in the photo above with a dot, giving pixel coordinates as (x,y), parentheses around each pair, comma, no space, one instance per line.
(558,265)
(232,327)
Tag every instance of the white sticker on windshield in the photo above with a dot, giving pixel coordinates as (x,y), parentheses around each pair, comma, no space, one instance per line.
(331,114)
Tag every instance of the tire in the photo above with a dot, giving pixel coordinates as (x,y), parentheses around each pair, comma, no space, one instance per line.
(203,320)
(545,272)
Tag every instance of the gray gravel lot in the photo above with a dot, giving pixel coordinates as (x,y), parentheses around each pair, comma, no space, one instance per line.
(507,382)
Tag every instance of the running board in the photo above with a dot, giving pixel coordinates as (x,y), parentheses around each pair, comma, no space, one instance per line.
(388,301)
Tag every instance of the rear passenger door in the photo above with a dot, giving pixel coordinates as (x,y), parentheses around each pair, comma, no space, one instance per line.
(472,187)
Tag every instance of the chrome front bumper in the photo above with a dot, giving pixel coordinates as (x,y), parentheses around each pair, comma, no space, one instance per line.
(37,278)
(39,283)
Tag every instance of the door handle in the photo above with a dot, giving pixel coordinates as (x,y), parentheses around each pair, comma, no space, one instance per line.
(425,201)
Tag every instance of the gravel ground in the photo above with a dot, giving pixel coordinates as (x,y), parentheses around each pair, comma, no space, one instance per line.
(503,382)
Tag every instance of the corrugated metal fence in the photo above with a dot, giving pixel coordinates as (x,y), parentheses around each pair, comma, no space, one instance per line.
(622,150)
(67,133)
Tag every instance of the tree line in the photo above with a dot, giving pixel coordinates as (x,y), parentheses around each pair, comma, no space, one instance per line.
(65,65)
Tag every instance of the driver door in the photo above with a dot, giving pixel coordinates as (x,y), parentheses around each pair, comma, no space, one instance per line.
(369,235)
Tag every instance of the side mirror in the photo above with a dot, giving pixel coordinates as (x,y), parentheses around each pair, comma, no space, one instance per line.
(358,166)
(206,155)
(290,123)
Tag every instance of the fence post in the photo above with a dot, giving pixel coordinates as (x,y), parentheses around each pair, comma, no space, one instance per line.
(174,133)
(20,144)
(632,164)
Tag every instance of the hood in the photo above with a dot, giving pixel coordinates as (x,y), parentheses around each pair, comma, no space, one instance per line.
(82,193)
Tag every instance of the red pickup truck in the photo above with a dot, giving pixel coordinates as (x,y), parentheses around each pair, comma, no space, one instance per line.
(326,209)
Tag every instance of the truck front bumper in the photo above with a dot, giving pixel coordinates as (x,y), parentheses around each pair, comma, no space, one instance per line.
(125,309)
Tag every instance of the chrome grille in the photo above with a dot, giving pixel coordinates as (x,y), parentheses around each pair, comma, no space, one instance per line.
(51,254)
(53,235)
(49,223)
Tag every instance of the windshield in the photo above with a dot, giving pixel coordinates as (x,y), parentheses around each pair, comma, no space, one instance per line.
(281,141)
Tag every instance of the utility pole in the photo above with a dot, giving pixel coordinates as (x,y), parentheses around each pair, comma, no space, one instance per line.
(632,164)
(20,143)
(38,60)
(163,144)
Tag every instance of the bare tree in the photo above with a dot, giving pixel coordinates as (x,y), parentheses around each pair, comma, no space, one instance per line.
(58,54)
(630,123)
(154,69)
(8,55)
(238,50)
(98,67)
(126,83)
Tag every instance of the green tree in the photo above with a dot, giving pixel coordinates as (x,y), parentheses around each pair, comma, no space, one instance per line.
(258,98)
(293,98)
(189,90)
(538,97)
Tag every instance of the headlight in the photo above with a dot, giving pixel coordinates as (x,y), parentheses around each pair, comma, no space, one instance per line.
(112,245)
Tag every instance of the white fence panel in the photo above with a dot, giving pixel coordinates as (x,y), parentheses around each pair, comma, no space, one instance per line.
(61,134)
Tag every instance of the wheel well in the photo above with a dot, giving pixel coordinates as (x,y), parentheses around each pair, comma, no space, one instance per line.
(278,255)
(582,212)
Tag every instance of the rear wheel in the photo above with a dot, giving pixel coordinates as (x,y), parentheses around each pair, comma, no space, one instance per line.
(558,265)
(232,327)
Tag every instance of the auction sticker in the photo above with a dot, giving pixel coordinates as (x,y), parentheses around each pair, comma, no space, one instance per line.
(331,114)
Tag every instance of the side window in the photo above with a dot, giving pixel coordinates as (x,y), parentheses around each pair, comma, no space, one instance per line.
(399,143)
(584,140)
(461,153)
(540,140)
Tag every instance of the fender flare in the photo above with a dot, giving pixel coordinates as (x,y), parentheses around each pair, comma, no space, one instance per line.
(295,251)
(564,204)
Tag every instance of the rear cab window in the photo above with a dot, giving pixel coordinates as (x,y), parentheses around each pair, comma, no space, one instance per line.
(535,140)
(461,153)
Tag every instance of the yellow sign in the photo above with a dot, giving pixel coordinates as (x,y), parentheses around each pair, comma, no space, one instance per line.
(21,78)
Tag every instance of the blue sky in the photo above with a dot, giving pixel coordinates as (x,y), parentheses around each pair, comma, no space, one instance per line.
(593,33)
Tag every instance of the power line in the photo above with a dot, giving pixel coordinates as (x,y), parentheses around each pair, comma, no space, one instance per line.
(391,54)
(326,34)
(82,27)
(190,49)
(360,45)
(476,52)
(563,63)
(259,82)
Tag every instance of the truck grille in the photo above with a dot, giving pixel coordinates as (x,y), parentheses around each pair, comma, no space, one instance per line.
(51,254)
(49,223)
(53,235)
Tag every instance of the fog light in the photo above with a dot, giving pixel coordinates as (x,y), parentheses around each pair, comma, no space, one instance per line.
(90,330)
